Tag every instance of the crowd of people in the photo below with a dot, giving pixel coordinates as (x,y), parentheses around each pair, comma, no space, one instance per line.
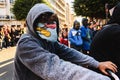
(100,42)
(9,35)
(80,36)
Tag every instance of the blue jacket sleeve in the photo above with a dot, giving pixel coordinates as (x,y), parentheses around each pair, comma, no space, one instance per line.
(83,34)
(70,37)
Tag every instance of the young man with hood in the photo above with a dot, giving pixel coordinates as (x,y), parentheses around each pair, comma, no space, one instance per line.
(75,36)
(106,43)
(86,36)
(39,56)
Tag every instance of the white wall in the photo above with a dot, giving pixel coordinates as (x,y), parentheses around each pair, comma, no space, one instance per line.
(2,11)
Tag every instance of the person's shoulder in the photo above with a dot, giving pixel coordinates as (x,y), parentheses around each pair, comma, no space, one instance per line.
(109,29)
(82,26)
(111,25)
(27,37)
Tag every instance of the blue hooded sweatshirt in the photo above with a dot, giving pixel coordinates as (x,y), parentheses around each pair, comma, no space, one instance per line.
(75,36)
(86,35)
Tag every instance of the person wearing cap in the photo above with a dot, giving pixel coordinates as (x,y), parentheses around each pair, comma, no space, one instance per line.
(106,43)
(39,55)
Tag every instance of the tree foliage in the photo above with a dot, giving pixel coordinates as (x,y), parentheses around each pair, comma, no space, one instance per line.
(22,7)
(92,8)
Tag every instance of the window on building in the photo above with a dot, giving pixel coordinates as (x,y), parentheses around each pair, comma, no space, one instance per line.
(2,0)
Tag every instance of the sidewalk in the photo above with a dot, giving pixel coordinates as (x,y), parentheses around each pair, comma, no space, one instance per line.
(8,53)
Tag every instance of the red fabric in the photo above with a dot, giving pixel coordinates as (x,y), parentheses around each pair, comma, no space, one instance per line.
(64,41)
(52,26)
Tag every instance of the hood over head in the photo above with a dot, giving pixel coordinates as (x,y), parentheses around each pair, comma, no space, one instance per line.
(34,14)
(85,22)
(115,18)
(76,23)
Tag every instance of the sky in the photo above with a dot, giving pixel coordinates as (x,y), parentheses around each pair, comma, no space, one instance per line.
(78,18)
(69,1)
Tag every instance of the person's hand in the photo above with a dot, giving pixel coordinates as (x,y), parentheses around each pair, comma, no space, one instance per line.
(103,66)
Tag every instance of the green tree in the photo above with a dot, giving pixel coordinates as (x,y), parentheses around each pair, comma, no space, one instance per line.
(92,8)
(22,7)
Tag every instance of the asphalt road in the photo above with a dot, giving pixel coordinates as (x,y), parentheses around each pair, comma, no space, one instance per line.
(6,63)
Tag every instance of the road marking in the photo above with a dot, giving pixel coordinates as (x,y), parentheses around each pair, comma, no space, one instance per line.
(6,64)
(3,73)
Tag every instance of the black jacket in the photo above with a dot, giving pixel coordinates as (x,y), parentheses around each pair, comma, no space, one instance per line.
(106,45)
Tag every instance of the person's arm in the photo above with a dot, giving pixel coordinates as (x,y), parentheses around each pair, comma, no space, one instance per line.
(74,56)
(79,58)
(83,32)
(49,66)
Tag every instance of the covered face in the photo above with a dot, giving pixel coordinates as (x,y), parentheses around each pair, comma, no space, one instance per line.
(85,22)
(76,25)
(43,22)
(47,27)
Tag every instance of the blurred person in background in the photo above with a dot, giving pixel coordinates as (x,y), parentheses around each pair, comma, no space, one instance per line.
(7,38)
(86,35)
(1,37)
(64,37)
(74,36)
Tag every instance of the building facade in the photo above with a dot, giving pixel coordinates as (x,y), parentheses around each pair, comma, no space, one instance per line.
(61,8)
(6,15)
(5,9)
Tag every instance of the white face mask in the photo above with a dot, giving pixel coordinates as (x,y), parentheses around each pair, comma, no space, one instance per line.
(47,31)
(111,11)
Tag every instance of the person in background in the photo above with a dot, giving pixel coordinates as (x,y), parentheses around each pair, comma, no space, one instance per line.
(106,43)
(74,36)
(18,33)
(86,36)
(1,37)
(64,37)
(93,28)
(12,35)
(7,38)
(39,56)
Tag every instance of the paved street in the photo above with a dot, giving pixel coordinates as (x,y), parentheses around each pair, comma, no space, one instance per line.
(6,63)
